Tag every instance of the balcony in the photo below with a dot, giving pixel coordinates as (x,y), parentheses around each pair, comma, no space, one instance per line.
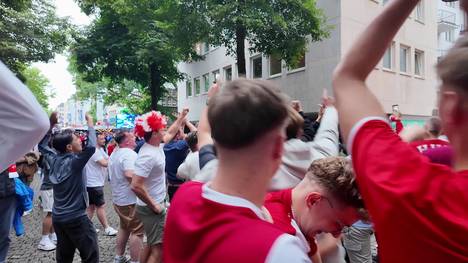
(446,21)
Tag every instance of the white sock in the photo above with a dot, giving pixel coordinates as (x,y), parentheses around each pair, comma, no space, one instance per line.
(44,237)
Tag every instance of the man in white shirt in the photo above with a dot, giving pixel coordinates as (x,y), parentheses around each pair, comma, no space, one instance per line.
(191,166)
(95,171)
(149,180)
(121,170)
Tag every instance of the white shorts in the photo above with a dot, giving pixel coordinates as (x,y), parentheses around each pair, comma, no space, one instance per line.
(47,200)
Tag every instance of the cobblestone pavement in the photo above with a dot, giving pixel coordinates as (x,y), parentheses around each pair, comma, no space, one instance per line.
(24,249)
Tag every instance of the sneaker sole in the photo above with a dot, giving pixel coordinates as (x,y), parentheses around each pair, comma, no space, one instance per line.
(45,249)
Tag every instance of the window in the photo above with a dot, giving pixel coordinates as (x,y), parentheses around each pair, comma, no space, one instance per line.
(228,74)
(404,58)
(206,82)
(257,67)
(197,86)
(300,63)
(419,63)
(450,4)
(449,36)
(420,11)
(388,59)
(274,65)
(188,88)
(215,75)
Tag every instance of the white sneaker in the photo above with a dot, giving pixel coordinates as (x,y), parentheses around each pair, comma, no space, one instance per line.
(109,231)
(46,245)
(53,238)
(121,259)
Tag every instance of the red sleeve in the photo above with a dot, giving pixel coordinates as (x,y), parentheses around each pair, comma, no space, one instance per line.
(388,170)
(405,193)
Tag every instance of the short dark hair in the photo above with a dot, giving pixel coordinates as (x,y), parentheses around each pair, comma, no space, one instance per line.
(434,126)
(192,140)
(120,136)
(244,110)
(147,136)
(295,123)
(62,139)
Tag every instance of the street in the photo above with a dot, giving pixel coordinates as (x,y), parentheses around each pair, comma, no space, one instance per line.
(24,249)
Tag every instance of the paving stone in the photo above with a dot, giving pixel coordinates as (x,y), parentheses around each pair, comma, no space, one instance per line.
(24,248)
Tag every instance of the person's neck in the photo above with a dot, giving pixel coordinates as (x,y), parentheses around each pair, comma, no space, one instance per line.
(154,143)
(242,178)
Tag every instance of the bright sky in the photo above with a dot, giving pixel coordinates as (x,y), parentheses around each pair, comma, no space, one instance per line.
(56,71)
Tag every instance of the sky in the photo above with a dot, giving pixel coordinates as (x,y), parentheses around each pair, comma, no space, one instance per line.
(61,81)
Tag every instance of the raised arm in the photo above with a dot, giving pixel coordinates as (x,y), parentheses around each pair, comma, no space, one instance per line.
(23,121)
(354,100)
(174,128)
(326,142)
(82,158)
(43,145)
(204,129)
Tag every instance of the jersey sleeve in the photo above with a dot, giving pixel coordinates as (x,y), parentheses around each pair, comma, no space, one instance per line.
(391,175)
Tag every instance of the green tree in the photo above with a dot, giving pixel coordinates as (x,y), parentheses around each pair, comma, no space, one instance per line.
(30,31)
(279,28)
(134,47)
(38,84)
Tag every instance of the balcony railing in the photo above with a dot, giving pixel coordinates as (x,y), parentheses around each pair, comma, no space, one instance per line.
(446,21)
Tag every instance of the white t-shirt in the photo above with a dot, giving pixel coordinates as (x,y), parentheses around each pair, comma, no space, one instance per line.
(190,167)
(121,160)
(150,164)
(96,173)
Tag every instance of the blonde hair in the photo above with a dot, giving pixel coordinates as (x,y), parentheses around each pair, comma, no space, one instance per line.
(452,69)
(336,176)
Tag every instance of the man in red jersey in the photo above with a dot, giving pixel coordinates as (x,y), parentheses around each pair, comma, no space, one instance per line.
(430,134)
(419,209)
(326,200)
(222,221)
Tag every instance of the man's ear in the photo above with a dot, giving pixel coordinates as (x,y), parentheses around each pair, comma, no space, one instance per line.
(451,107)
(69,147)
(313,198)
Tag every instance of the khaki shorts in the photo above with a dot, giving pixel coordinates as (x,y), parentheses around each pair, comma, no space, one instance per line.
(47,200)
(128,219)
(152,223)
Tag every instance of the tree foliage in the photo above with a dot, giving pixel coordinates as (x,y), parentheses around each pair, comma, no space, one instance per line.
(30,31)
(38,84)
(278,27)
(133,46)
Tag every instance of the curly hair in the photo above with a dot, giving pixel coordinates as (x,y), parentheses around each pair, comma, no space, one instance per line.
(336,176)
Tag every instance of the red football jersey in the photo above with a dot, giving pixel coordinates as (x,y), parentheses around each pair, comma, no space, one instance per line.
(419,209)
(201,230)
(279,205)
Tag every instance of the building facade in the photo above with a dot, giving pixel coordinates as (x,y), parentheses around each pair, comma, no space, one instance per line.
(405,76)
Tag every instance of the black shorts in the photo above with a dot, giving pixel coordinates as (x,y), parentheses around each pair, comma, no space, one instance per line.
(96,195)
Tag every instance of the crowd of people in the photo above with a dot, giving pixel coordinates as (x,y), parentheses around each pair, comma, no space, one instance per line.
(257,180)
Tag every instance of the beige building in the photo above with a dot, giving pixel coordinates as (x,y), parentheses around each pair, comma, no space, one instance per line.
(405,76)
